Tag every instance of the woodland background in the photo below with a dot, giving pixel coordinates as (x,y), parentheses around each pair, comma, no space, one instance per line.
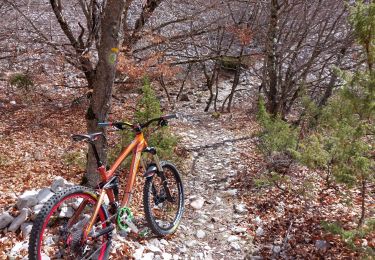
(300,72)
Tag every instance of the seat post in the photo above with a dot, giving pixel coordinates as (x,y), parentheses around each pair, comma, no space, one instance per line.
(98,161)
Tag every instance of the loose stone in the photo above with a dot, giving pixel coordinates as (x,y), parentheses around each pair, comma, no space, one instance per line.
(58,184)
(44,195)
(322,244)
(197,203)
(5,220)
(233,239)
(148,256)
(27,199)
(235,246)
(139,252)
(66,212)
(18,221)
(166,256)
(200,234)
(239,230)
(276,249)
(240,209)
(259,231)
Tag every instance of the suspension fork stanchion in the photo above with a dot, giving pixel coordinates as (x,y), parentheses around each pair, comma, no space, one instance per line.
(162,176)
(157,162)
(93,217)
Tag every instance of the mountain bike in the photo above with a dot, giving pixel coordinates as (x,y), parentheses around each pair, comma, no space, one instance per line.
(76,223)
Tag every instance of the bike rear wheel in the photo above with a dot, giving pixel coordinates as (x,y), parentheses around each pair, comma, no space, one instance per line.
(58,228)
(163,213)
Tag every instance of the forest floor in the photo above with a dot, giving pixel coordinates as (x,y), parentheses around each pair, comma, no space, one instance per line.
(243,215)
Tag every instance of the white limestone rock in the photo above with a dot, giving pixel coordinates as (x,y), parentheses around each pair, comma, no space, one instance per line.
(5,220)
(17,248)
(27,199)
(235,246)
(138,253)
(240,209)
(259,231)
(148,256)
(66,212)
(44,195)
(197,203)
(200,234)
(18,221)
(58,184)
(26,228)
(166,256)
(233,239)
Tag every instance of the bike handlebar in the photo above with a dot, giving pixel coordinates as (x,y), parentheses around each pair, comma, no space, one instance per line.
(120,125)
(170,116)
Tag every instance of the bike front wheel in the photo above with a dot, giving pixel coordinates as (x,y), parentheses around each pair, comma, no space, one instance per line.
(58,229)
(163,200)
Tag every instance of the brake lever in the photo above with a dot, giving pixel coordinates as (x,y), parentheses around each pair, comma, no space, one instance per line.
(163,122)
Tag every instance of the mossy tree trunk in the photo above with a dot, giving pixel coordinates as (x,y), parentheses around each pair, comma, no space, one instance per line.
(100,102)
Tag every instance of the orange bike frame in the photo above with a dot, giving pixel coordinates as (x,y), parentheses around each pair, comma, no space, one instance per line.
(137,146)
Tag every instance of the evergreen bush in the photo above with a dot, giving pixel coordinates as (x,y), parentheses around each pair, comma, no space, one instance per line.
(277,136)
(21,81)
(341,140)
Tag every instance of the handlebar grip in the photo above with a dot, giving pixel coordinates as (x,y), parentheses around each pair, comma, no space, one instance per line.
(169,116)
(105,124)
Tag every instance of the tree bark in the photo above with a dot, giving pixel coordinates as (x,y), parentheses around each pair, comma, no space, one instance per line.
(100,102)
(363,203)
(271,65)
(332,82)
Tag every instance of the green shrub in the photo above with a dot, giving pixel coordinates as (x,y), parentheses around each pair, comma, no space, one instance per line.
(350,236)
(276,136)
(21,81)
(342,143)
(277,142)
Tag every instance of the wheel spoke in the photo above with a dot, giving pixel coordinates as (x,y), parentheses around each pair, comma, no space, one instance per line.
(58,229)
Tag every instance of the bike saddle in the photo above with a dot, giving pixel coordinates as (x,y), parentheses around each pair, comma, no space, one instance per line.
(89,137)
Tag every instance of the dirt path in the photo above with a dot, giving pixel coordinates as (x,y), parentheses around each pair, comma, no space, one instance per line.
(215,223)
(223,217)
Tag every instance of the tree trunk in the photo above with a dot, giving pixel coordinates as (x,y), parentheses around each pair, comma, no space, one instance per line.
(210,80)
(271,64)
(216,90)
(333,80)
(363,205)
(162,84)
(100,101)
(183,82)
(236,81)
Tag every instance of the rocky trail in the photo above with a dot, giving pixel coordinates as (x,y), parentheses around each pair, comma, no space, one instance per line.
(215,222)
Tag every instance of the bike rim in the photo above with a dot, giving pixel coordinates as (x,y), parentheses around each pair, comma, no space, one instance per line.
(91,200)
